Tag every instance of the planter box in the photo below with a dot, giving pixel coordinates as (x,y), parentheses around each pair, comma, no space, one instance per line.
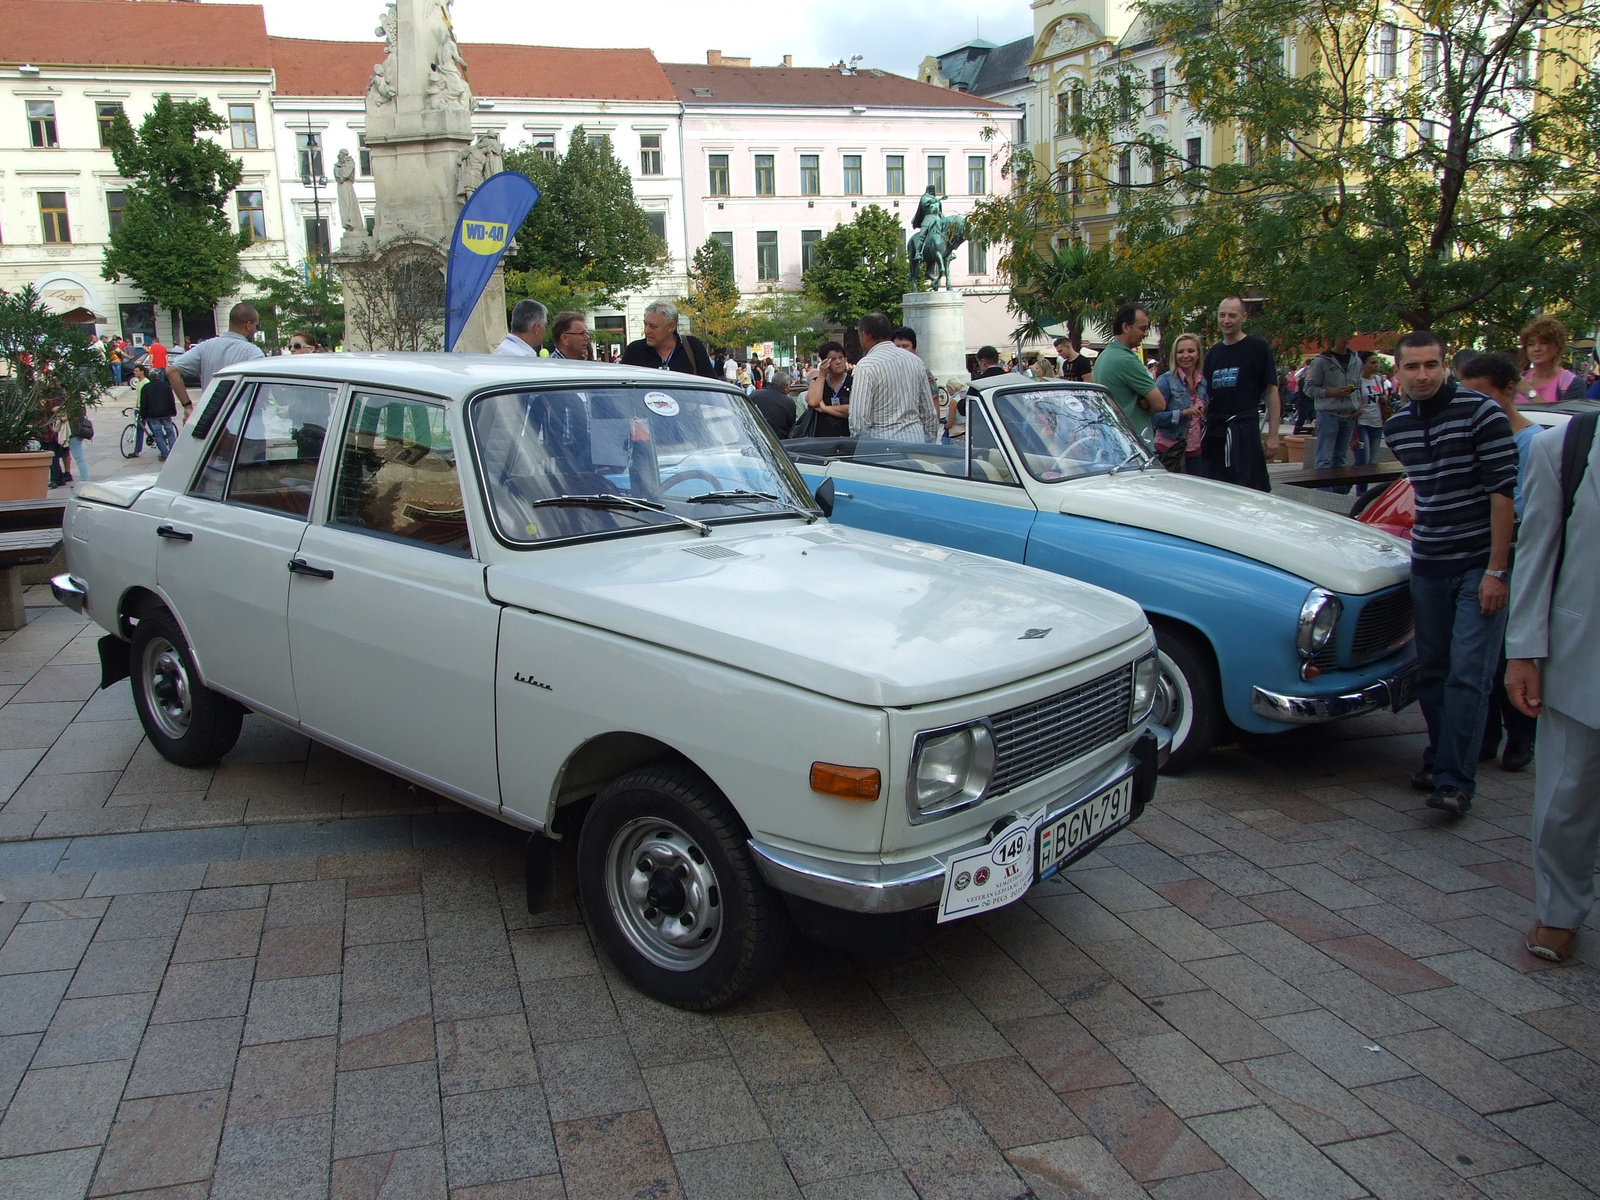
(25,476)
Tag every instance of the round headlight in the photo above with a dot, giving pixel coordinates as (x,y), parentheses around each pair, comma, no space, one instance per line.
(1319,617)
(1146,678)
(951,770)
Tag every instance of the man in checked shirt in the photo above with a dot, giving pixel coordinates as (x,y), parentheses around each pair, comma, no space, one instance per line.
(890,399)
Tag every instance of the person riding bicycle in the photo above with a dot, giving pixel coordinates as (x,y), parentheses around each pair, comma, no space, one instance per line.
(157,407)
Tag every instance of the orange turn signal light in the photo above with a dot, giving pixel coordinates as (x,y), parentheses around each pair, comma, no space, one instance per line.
(849,783)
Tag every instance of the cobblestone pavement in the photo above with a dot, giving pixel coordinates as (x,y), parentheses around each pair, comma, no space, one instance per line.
(296,976)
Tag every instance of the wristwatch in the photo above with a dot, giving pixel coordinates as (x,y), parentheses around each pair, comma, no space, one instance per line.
(1502,576)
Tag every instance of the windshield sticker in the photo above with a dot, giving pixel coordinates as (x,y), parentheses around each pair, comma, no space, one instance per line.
(661,404)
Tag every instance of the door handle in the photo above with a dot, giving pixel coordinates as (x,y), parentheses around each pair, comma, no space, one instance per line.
(301,567)
(171,534)
(844,495)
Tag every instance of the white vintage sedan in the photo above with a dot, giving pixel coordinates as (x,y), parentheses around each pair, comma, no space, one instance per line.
(599,602)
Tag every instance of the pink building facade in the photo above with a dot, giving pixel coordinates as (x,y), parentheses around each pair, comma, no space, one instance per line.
(774,158)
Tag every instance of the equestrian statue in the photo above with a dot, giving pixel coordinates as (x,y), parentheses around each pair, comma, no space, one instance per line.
(934,242)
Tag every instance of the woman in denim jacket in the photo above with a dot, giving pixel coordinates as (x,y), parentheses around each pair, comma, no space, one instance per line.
(1184,386)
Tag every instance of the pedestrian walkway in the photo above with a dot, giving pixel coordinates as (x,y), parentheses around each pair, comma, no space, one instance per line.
(292,975)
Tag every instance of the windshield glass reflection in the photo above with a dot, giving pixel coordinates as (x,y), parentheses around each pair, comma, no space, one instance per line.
(1066,434)
(685,451)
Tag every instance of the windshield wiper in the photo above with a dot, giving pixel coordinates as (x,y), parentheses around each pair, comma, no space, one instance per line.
(617,503)
(739,494)
(1142,462)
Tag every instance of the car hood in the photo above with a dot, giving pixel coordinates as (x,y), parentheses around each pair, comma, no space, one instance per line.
(859,616)
(1329,550)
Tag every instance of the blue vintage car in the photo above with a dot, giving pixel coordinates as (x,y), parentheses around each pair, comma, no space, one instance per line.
(1268,613)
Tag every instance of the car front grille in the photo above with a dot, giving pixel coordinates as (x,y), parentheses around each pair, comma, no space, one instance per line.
(1384,623)
(1034,739)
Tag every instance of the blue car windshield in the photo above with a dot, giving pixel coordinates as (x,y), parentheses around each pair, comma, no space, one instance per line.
(568,462)
(1062,433)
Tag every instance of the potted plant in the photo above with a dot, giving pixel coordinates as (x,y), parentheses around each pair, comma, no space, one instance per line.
(40,355)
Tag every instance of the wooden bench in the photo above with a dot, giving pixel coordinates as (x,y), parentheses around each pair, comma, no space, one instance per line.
(32,514)
(20,548)
(1318,477)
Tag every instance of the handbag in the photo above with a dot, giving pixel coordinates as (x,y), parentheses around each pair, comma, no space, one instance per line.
(83,428)
(806,425)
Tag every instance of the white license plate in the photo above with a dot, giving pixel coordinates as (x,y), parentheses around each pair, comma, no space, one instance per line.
(1060,836)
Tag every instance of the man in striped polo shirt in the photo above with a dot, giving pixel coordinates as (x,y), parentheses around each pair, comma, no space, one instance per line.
(1458,452)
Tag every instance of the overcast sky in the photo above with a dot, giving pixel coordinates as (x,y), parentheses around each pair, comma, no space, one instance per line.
(894,37)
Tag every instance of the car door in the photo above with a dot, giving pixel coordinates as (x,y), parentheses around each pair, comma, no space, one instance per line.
(963,495)
(390,631)
(224,551)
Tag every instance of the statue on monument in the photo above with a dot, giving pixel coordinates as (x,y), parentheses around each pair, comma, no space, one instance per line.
(447,72)
(383,87)
(931,247)
(485,157)
(344,174)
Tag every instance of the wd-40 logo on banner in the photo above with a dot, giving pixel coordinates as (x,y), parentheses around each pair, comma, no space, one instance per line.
(489,219)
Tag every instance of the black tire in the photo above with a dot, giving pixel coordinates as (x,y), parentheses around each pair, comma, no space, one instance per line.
(1190,695)
(130,439)
(186,721)
(1366,499)
(663,835)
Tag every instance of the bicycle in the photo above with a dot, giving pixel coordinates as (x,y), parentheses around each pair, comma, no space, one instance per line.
(130,433)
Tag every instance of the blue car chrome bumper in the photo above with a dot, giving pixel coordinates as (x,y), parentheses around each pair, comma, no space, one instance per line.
(1393,692)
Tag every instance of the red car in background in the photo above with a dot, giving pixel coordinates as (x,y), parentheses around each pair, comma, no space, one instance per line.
(1392,509)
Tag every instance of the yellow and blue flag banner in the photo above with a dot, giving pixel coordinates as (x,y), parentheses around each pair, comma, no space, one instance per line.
(489,220)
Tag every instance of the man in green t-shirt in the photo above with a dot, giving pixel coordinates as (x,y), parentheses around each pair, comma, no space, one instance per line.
(1120,369)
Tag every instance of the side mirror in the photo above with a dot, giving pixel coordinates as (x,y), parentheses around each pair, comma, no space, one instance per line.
(824,496)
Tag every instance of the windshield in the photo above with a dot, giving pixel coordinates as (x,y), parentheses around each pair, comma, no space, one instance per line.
(667,452)
(1063,433)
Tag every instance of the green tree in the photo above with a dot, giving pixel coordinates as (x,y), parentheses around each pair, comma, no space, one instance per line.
(555,293)
(175,241)
(1426,164)
(860,267)
(587,230)
(295,299)
(786,319)
(42,354)
(712,303)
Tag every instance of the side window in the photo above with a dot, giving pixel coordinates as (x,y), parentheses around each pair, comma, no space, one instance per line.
(212,481)
(276,466)
(988,459)
(397,474)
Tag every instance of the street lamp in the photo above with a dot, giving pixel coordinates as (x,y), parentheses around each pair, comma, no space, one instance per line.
(316,181)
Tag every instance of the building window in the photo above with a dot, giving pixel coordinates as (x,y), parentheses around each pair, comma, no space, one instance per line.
(545,148)
(363,157)
(726,238)
(242,123)
(1519,144)
(1022,125)
(252,215)
(811,175)
(1388,47)
(371,224)
(1075,173)
(658,224)
(936,173)
(42,124)
(767,255)
(719,174)
(106,114)
(977,181)
(1158,166)
(1125,168)
(894,171)
(316,237)
(53,217)
(115,202)
(808,248)
(766,176)
(650,154)
(1158,89)
(977,258)
(1430,60)
(852,174)
(309,146)
(1428,132)
(1192,152)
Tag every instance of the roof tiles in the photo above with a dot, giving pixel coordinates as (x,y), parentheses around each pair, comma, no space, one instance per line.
(119,33)
(810,87)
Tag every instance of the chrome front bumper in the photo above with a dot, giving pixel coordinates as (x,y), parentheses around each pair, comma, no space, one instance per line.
(1394,693)
(919,882)
(70,590)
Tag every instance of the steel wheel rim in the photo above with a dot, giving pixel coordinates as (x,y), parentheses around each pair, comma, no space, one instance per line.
(1174,706)
(664,894)
(167,688)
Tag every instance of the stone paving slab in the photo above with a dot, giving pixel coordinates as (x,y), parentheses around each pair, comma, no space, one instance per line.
(293,975)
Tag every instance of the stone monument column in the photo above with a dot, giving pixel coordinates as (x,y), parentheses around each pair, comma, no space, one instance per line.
(941,323)
(419,131)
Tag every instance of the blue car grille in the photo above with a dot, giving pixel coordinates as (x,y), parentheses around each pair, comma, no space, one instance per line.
(1385,622)
(1034,739)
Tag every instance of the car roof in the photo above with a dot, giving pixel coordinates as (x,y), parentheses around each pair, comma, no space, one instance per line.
(455,376)
(1010,379)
